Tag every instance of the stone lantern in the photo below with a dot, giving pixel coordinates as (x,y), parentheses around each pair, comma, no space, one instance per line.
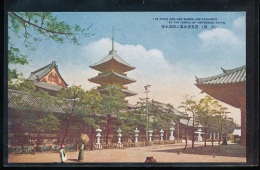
(171,138)
(99,146)
(119,135)
(150,135)
(161,134)
(199,132)
(136,131)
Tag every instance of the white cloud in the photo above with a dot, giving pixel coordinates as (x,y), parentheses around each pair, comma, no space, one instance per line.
(218,36)
(240,22)
(169,83)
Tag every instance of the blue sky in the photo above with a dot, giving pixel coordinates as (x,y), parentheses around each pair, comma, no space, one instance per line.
(167,58)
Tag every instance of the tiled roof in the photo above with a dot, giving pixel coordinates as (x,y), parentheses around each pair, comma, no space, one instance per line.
(40,73)
(237,75)
(113,55)
(128,92)
(185,121)
(21,100)
(111,74)
(47,86)
(165,107)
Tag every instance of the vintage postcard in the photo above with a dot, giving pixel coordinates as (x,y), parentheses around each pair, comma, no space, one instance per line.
(126,88)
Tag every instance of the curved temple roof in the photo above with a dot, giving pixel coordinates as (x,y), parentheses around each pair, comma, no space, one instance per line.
(112,56)
(228,87)
(47,86)
(40,73)
(108,78)
(128,93)
(236,75)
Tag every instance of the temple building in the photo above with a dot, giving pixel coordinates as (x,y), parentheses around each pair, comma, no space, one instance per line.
(112,70)
(230,88)
(48,79)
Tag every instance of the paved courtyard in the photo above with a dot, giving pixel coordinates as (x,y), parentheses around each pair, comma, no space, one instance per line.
(162,153)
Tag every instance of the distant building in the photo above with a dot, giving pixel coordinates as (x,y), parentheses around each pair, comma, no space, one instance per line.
(112,71)
(48,78)
(181,122)
(237,132)
(228,87)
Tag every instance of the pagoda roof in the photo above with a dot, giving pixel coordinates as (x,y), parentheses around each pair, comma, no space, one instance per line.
(42,72)
(111,77)
(128,93)
(110,57)
(237,75)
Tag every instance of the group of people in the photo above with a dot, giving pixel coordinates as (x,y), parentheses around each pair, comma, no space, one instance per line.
(63,155)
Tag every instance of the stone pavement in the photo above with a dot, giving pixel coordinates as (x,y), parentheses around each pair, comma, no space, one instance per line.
(170,153)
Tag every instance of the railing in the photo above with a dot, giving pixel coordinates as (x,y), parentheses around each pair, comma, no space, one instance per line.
(75,147)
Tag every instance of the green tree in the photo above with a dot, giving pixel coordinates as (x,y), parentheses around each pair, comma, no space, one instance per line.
(22,84)
(221,115)
(113,103)
(33,27)
(228,126)
(68,100)
(130,120)
(207,108)
(163,115)
(189,107)
(91,103)
(213,126)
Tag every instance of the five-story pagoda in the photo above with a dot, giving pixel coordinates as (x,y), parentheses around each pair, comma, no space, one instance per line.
(112,71)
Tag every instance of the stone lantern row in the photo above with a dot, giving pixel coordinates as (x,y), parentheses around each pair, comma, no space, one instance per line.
(136,132)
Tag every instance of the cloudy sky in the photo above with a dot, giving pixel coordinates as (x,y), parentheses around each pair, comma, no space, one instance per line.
(166,57)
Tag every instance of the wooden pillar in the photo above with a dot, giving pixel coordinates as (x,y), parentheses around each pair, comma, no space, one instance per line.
(243,122)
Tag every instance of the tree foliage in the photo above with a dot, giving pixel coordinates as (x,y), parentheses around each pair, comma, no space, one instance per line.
(67,99)
(34,27)
(162,115)
(206,110)
(113,102)
(91,105)
(189,109)
(22,84)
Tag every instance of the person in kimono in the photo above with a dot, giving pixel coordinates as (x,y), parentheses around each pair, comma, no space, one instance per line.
(63,155)
(81,152)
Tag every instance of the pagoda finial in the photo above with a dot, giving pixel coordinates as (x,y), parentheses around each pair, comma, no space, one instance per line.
(113,40)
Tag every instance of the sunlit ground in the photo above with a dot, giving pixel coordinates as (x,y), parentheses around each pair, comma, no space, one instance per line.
(171,153)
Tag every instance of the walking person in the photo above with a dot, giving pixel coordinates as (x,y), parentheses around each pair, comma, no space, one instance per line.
(63,155)
(81,152)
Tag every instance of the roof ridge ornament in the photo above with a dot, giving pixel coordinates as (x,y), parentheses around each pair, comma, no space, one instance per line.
(224,70)
(113,39)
